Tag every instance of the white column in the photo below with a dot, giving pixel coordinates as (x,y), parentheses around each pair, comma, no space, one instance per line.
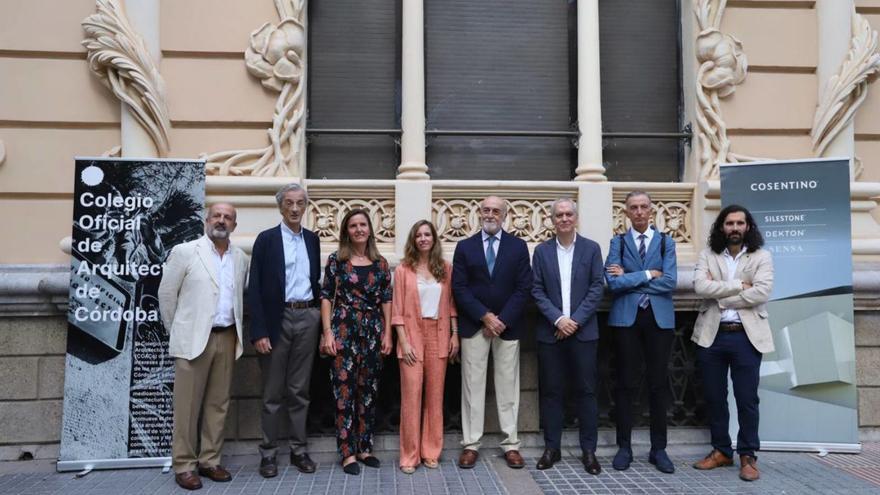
(589,105)
(595,208)
(412,202)
(412,119)
(144,18)
(835,31)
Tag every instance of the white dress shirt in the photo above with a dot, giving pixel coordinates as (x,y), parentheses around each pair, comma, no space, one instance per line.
(565,258)
(297,286)
(649,234)
(731,315)
(224,267)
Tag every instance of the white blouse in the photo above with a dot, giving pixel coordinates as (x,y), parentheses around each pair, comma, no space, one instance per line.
(429,297)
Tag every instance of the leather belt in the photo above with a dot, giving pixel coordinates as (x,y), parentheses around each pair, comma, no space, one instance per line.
(221,329)
(730,327)
(300,304)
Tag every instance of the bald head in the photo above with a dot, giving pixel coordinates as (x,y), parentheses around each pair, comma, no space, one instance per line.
(220,221)
(493,210)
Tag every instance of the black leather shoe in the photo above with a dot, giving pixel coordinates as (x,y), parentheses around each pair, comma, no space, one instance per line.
(622,459)
(302,462)
(550,457)
(591,464)
(662,461)
(370,461)
(268,467)
(352,468)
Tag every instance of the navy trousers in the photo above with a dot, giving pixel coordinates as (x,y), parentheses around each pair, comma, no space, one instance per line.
(568,361)
(734,352)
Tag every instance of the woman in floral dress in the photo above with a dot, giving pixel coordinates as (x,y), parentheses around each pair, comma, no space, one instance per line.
(356,318)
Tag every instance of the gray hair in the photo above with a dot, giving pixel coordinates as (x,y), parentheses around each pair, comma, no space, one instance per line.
(633,194)
(293,186)
(503,203)
(574,205)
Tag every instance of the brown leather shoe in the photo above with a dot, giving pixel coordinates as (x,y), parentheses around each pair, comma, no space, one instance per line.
(188,480)
(715,459)
(468,458)
(748,468)
(514,460)
(215,473)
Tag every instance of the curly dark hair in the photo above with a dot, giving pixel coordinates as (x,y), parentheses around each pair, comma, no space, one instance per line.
(753,240)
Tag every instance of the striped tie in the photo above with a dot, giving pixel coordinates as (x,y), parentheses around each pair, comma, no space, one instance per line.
(643,298)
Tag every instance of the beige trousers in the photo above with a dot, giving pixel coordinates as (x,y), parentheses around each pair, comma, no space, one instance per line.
(202,385)
(474,363)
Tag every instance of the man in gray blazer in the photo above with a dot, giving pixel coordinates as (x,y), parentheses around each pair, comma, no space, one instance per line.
(200,298)
(734,276)
(567,288)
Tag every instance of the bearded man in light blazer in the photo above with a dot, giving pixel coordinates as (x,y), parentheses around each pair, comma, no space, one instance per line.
(734,276)
(200,299)
(567,289)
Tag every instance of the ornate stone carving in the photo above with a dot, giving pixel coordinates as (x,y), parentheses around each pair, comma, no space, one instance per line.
(723,66)
(119,57)
(671,217)
(457,219)
(325,216)
(276,56)
(845,91)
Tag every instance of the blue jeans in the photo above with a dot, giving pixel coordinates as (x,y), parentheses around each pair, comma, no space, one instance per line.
(734,352)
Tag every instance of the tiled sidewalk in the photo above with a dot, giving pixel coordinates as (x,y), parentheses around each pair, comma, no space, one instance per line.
(448,479)
(781,473)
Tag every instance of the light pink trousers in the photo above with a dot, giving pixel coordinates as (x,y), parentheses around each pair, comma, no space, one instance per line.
(421,400)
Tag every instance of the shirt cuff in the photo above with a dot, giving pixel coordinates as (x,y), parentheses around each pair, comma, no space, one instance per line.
(557,320)
(648,273)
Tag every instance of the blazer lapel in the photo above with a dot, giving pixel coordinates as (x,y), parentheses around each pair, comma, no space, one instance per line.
(722,265)
(205,256)
(633,249)
(553,260)
(282,268)
(499,258)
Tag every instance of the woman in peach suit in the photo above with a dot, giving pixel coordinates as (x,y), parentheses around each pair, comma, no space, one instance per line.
(424,316)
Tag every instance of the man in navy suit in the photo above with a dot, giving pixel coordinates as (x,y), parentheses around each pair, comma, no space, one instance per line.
(641,273)
(285,325)
(491,281)
(567,288)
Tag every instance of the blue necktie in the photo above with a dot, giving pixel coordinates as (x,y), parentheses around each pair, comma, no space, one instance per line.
(490,255)
(643,298)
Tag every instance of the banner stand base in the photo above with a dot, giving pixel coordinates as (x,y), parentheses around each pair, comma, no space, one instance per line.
(818,447)
(88,465)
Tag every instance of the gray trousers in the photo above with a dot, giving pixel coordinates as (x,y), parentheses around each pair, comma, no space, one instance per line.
(286,371)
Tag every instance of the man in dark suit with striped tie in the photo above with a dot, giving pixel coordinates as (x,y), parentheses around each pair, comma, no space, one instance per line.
(641,273)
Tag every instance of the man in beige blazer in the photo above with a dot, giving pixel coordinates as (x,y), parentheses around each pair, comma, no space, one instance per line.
(200,298)
(734,276)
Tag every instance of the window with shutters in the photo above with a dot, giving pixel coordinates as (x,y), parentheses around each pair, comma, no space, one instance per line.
(353,85)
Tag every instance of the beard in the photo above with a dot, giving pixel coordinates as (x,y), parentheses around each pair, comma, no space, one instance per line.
(217,233)
(734,239)
(490,226)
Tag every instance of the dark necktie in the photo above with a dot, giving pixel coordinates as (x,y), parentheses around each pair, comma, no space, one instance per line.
(643,298)
(490,255)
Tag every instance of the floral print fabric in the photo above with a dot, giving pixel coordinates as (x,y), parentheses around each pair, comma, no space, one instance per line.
(357,322)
